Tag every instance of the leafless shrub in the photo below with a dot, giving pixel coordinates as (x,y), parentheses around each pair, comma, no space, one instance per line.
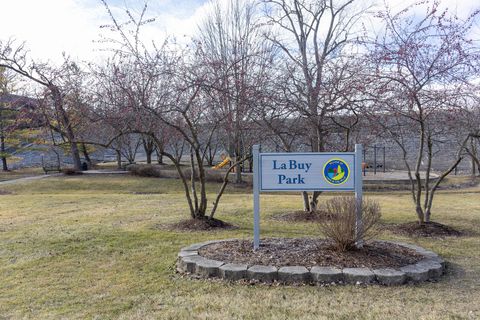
(147,170)
(214,175)
(70,171)
(340,227)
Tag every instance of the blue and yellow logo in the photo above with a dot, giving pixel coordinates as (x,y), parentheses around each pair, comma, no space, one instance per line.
(336,171)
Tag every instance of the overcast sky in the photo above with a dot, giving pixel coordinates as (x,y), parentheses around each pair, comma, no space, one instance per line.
(51,27)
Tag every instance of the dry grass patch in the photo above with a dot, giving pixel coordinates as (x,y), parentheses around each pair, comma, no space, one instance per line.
(20,173)
(86,247)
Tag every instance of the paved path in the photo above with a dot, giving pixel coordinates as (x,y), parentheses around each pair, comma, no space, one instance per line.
(43,176)
(380,176)
(394,175)
(13,181)
(105,172)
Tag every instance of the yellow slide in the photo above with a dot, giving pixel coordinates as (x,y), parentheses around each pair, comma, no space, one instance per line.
(223,163)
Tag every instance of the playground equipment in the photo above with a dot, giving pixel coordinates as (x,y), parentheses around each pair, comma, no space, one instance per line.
(226,160)
(376,165)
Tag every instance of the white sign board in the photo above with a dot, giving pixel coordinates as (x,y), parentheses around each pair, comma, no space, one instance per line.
(307,172)
(314,171)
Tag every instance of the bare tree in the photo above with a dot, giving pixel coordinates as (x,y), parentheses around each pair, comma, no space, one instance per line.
(171,85)
(315,38)
(235,52)
(57,82)
(425,66)
(280,125)
(7,114)
(470,122)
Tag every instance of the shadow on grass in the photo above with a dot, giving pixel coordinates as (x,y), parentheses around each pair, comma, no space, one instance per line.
(453,271)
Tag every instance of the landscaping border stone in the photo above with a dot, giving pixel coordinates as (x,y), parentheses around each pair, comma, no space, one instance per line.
(262,273)
(294,274)
(431,267)
(326,274)
(415,273)
(233,271)
(358,275)
(208,268)
(390,276)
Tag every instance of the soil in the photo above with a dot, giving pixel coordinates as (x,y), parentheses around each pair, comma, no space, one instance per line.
(199,225)
(310,252)
(301,216)
(431,229)
(4,192)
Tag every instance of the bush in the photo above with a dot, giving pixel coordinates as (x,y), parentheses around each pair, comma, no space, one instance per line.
(212,175)
(70,171)
(145,170)
(150,170)
(340,225)
(154,170)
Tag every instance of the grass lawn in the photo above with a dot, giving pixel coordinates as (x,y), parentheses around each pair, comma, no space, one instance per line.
(90,247)
(20,173)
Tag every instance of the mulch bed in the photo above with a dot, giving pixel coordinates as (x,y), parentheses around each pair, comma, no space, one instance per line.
(300,216)
(198,225)
(431,229)
(310,252)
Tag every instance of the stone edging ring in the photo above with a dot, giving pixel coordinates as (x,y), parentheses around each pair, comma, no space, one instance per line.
(430,267)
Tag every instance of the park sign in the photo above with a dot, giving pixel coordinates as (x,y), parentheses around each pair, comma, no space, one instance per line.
(310,171)
(307,172)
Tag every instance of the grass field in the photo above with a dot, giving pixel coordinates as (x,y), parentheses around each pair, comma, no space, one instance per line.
(20,173)
(91,247)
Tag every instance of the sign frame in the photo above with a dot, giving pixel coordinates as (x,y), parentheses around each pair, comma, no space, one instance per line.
(326,154)
(356,174)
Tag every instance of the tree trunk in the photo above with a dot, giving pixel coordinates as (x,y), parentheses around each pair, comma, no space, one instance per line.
(238,157)
(179,151)
(418,180)
(184,182)
(314,201)
(203,190)
(119,159)
(306,202)
(211,154)
(474,159)
(68,130)
(149,147)
(2,149)
(318,145)
(420,214)
(77,164)
(159,152)
(222,188)
(427,175)
(160,158)
(428,208)
(197,214)
(149,157)
(238,169)
(474,169)
(86,155)
(427,216)
(235,152)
